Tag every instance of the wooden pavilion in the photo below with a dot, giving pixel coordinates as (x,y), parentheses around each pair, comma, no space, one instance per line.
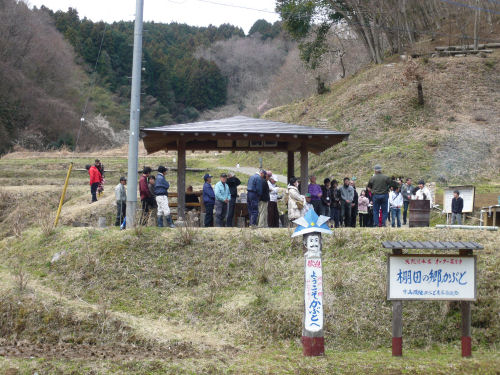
(240,133)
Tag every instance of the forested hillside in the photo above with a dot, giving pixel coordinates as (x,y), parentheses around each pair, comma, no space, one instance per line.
(177,85)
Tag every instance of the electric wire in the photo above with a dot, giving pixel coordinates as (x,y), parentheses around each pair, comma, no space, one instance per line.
(92,84)
(387,28)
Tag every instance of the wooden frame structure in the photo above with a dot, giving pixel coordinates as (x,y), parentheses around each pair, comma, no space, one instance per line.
(240,133)
(464,249)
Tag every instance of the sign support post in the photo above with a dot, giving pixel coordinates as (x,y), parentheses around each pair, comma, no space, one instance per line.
(431,277)
(465,310)
(397,321)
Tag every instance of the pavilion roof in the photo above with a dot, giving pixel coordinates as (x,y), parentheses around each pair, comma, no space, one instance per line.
(240,133)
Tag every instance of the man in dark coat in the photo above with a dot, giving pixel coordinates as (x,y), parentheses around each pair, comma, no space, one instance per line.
(233,182)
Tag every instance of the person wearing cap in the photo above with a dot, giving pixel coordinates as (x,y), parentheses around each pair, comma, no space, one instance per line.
(146,196)
(296,201)
(233,182)
(222,196)
(423,192)
(161,192)
(457,206)
(316,193)
(208,200)
(380,184)
(121,201)
(273,217)
(308,206)
(264,202)
(254,189)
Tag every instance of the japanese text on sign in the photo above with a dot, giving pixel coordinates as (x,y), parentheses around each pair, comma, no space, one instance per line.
(314,296)
(438,278)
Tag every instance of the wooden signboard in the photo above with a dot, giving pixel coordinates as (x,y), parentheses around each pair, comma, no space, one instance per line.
(431,277)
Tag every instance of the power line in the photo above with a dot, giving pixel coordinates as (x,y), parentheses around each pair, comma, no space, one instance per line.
(238,6)
(92,84)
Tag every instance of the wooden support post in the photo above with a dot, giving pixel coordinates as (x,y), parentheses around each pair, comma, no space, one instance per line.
(397,321)
(466,329)
(397,328)
(181,179)
(304,168)
(465,309)
(290,166)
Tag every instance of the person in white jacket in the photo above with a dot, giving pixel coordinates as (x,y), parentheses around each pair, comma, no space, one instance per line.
(296,201)
(395,204)
(273,219)
(423,192)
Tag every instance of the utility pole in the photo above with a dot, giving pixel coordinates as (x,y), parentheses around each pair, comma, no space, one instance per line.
(135,112)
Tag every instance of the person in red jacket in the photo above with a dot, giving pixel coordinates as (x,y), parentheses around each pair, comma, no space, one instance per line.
(95,180)
(146,196)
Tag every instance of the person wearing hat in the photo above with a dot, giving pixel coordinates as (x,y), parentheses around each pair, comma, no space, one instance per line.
(273,217)
(254,189)
(222,196)
(380,184)
(161,192)
(308,206)
(121,201)
(233,182)
(423,192)
(208,200)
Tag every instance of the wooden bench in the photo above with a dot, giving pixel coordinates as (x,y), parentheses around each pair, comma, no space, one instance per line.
(172,203)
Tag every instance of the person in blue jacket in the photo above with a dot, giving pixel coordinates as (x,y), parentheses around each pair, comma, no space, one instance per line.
(208,200)
(222,196)
(254,188)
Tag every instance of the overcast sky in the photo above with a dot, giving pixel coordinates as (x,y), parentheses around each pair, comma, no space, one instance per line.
(192,12)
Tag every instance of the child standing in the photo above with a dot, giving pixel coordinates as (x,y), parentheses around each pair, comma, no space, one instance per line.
(395,203)
(363,202)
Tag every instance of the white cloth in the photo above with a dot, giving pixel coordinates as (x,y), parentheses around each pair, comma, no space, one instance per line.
(294,212)
(395,201)
(424,193)
(273,191)
(120,193)
(163,208)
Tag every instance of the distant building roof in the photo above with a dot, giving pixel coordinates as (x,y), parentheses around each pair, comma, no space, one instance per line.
(241,133)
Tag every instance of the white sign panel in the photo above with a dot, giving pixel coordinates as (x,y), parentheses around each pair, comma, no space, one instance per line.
(467,194)
(314,296)
(414,277)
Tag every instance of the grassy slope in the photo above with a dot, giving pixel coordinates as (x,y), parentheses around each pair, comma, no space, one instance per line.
(237,307)
(452,138)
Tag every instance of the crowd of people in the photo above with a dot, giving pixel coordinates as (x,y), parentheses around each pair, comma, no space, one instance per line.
(383,199)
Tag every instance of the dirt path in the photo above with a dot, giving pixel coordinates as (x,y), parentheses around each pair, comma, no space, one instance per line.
(179,338)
